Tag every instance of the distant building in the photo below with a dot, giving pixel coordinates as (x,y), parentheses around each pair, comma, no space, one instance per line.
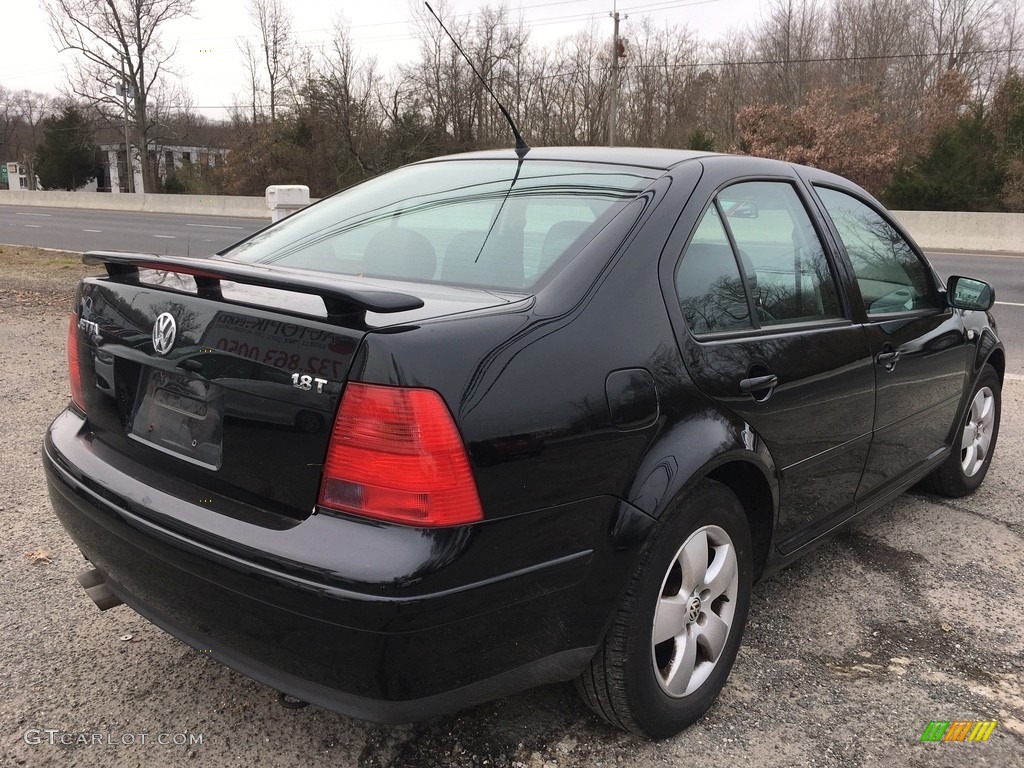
(14,176)
(167,160)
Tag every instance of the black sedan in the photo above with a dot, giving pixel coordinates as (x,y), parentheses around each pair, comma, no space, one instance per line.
(492,421)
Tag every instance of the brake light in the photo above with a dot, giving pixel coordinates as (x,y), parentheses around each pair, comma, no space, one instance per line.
(74,368)
(396,455)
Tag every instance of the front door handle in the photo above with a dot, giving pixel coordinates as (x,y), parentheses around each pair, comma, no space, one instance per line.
(888,359)
(759,386)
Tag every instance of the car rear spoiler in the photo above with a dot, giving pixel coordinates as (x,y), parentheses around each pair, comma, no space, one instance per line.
(341,298)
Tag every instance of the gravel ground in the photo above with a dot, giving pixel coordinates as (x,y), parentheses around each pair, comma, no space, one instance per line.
(910,616)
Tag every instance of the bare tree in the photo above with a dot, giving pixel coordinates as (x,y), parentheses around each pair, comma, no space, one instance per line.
(1010,36)
(120,46)
(274,24)
(10,116)
(21,113)
(251,58)
(664,89)
(32,107)
(733,86)
(441,78)
(788,44)
(581,99)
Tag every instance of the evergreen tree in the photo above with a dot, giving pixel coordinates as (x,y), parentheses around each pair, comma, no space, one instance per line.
(959,172)
(66,156)
(1007,121)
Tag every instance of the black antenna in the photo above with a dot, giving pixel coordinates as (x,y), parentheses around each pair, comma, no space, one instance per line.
(521,146)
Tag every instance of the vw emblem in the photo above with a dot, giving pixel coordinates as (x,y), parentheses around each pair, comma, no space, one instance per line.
(693,609)
(164,331)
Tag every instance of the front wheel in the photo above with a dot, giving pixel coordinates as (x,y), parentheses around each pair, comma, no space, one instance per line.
(973,443)
(674,638)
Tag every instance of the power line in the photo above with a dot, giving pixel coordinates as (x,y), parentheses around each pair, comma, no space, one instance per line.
(543,21)
(824,59)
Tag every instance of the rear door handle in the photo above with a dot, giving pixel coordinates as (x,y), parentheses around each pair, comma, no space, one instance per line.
(748,386)
(888,359)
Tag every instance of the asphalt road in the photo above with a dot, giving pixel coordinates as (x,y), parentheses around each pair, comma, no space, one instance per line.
(162,233)
(71,229)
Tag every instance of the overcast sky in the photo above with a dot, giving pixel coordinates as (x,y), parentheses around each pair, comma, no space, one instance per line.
(210,65)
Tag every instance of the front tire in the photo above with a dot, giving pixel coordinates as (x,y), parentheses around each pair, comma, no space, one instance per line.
(674,638)
(973,443)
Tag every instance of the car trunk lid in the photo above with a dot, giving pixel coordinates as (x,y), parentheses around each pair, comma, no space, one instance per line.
(221,379)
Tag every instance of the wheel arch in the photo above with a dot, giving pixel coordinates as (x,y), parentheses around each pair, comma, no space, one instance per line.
(989,351)
(996,357)
(722,449)
(756,496)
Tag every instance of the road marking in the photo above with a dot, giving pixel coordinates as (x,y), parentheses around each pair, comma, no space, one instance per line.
(34,226)
(212,226)
(33,214)
(1009,304)
(166,237)
(972,255)
(92,230)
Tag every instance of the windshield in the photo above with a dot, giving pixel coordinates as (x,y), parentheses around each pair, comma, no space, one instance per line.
(487,223)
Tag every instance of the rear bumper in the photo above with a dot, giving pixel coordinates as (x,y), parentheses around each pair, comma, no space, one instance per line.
(379,622)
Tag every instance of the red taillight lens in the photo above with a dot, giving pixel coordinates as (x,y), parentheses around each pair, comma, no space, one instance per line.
(74,369)
(396,455)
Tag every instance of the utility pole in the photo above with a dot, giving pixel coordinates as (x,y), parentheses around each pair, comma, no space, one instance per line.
(129,165)
(613,103)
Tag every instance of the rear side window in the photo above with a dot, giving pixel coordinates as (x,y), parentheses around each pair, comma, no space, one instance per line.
(485,223)
(755,250)
(891,276)
(709,283)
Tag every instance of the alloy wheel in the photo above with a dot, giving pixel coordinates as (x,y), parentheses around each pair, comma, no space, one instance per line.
(978,431)
(695,611)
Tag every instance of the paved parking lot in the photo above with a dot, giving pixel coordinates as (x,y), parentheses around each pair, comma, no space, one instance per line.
(911,616)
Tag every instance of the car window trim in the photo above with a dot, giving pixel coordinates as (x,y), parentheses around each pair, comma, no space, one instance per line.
(741,268)
(770,330)
(838,270)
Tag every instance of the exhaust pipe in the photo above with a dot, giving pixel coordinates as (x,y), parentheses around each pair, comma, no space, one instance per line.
(96,588)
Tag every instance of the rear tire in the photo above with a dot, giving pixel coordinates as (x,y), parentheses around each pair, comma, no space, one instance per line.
(675,635)
(973,443)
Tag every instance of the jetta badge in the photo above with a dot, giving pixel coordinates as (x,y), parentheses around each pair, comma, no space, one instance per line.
(164,331)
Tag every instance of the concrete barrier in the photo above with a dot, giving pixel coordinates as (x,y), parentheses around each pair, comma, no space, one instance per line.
(202,205)
(962,231)
(950,230)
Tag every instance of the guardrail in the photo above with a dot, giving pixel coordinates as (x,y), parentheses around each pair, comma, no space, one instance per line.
(950,230)
(202,205)
(963,231)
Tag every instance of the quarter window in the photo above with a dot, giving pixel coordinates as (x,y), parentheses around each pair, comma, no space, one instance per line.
(709,283)
(891,276)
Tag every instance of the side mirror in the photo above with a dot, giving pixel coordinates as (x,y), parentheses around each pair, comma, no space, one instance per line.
(968,293)
(745,209)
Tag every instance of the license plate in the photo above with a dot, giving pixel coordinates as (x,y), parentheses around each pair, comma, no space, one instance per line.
(181,416)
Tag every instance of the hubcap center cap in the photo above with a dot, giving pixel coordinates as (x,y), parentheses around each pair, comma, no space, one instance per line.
(692,609)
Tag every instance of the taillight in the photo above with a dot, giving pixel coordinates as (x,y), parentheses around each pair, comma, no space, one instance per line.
(396,455)
(74,368)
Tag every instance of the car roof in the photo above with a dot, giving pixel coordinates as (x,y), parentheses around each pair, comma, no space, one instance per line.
(647,157)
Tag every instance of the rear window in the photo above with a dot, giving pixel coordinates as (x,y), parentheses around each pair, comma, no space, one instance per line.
(467,222)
